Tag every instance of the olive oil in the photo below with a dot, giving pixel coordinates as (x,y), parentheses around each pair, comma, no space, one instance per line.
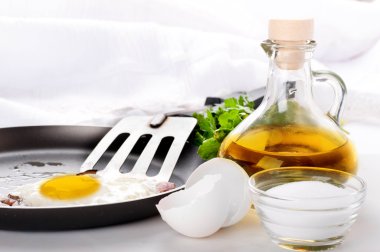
(268,147)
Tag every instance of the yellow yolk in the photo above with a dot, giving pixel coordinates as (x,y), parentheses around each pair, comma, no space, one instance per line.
(69,187)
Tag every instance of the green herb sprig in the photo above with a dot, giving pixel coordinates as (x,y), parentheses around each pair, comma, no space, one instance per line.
(215,123)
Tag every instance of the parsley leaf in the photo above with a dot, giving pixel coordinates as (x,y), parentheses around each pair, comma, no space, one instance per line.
(229,119)
(230,103)
(209,148)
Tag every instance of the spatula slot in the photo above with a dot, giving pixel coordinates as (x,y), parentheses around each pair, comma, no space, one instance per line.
(136,151)
(164,143)
(110,151)
(160,155)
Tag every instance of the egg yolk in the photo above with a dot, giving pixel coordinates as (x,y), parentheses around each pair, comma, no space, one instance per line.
(70,187)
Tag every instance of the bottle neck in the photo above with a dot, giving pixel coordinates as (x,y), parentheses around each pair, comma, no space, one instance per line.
(289,74)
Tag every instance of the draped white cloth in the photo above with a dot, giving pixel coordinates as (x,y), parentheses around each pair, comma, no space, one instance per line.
(95,61)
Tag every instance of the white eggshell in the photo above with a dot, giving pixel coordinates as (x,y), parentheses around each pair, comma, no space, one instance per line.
(198,211)
(234,179)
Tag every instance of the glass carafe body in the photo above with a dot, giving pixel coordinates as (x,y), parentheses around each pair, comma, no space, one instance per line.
(288,128)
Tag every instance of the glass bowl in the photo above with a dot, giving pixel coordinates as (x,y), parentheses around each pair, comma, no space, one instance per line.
(304,208)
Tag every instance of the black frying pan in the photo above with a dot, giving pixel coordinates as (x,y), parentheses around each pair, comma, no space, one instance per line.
(49,147)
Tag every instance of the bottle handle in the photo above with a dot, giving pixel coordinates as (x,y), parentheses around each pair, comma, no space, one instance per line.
(340,91)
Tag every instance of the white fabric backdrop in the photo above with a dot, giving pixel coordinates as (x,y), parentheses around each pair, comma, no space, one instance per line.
(92,62)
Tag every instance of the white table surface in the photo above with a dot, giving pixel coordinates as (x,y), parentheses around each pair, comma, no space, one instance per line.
(248,235)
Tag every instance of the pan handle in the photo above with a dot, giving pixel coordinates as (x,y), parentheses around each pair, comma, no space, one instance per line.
(159,119)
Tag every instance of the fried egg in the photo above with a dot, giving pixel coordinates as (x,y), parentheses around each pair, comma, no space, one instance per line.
(88,189)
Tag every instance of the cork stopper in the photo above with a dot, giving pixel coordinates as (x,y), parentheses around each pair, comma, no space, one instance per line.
(290,34)
(291,30)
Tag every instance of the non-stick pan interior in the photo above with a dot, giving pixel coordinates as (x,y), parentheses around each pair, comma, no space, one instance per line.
(28,154)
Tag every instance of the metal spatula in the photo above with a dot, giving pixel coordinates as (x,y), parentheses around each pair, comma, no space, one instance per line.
(158,127)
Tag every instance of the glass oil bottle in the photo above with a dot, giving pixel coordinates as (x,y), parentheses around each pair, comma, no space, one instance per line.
(288,128)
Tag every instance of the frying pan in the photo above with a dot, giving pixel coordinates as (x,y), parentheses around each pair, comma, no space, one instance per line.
(26,152)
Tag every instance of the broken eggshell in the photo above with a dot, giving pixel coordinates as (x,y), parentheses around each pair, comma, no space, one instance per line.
(198,211)
(235,179)
(216,196)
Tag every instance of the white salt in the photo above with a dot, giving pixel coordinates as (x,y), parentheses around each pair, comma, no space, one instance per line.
(308,189)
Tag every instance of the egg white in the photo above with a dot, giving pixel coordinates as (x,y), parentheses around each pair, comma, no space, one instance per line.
(115,189)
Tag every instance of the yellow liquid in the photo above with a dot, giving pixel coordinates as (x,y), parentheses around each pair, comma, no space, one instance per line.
(273,146)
